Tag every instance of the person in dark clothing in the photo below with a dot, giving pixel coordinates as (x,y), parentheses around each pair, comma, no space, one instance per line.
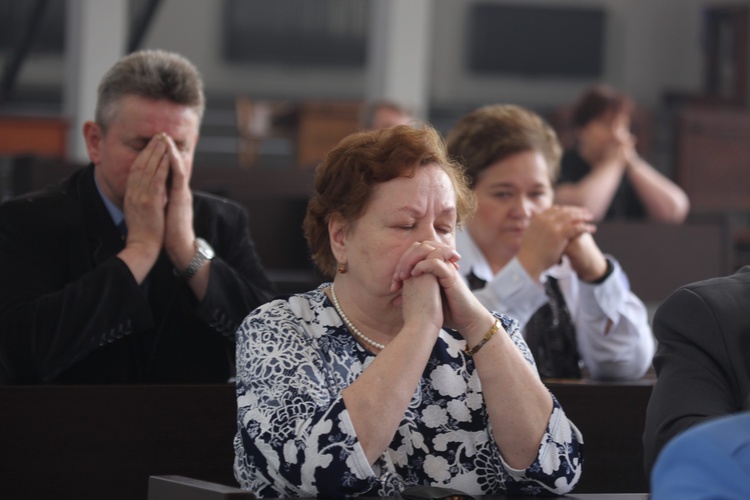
(605,173)
(702,361)
(120,273)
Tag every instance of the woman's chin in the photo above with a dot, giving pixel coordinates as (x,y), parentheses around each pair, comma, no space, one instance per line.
(512,241)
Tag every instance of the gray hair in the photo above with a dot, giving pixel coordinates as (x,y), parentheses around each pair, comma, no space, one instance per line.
(151,74)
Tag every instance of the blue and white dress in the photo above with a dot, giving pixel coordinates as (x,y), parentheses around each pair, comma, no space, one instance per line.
(295,437)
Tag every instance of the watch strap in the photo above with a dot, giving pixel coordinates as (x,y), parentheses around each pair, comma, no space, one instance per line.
(195,264)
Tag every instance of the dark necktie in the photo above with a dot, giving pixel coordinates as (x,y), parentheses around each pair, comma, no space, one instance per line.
(551,336)
(550,333)
(474,281)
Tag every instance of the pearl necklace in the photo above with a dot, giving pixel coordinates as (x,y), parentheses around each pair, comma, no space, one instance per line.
(349,324)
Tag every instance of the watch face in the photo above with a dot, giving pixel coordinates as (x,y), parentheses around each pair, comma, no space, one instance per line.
(203,247)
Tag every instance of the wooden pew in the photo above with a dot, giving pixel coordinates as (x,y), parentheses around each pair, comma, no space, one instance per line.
(105,441)
(659,258)
(26,173)
(611,417)
(276,200)
(713,158)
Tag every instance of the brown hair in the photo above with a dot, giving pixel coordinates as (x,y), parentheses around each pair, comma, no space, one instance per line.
(599,101)
(151,74)
(492,133)
(344,181)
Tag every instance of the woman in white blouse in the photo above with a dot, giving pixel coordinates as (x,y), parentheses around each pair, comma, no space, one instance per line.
(519,245)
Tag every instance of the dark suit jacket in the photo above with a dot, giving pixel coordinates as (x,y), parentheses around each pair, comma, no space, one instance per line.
(71,311)
(702,361)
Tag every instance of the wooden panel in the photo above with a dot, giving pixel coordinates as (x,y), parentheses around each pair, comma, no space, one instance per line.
(713,158)
(611,417)
(261,183)
(321,126)
(659,258)
(276,201)
(104,442)
(31,173)
(38,136)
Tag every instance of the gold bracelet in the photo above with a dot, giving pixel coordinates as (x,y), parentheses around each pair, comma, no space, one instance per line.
(484,340)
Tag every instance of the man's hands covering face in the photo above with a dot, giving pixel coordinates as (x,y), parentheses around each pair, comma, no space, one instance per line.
(158,205)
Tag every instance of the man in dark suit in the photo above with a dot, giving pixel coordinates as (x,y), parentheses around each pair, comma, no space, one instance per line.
(120,273)
(703,358)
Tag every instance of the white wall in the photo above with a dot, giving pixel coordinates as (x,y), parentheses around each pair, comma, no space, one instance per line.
(652,46)
(197,35)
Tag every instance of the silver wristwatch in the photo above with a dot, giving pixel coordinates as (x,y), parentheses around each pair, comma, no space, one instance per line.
(203,253)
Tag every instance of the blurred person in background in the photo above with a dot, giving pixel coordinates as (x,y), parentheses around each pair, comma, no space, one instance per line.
(537,261)
(604,171)
(383,114)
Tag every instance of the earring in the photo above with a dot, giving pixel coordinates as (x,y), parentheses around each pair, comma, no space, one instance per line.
(342,268)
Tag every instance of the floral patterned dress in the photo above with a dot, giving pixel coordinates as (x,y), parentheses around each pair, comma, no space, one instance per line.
(295,436)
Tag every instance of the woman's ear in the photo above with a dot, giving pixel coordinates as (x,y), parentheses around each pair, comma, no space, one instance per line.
(337,229)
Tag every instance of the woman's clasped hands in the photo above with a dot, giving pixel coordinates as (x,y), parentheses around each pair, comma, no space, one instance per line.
(557,231)
(433,291)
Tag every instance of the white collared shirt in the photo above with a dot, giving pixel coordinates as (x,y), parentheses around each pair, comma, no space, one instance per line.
(614,337)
